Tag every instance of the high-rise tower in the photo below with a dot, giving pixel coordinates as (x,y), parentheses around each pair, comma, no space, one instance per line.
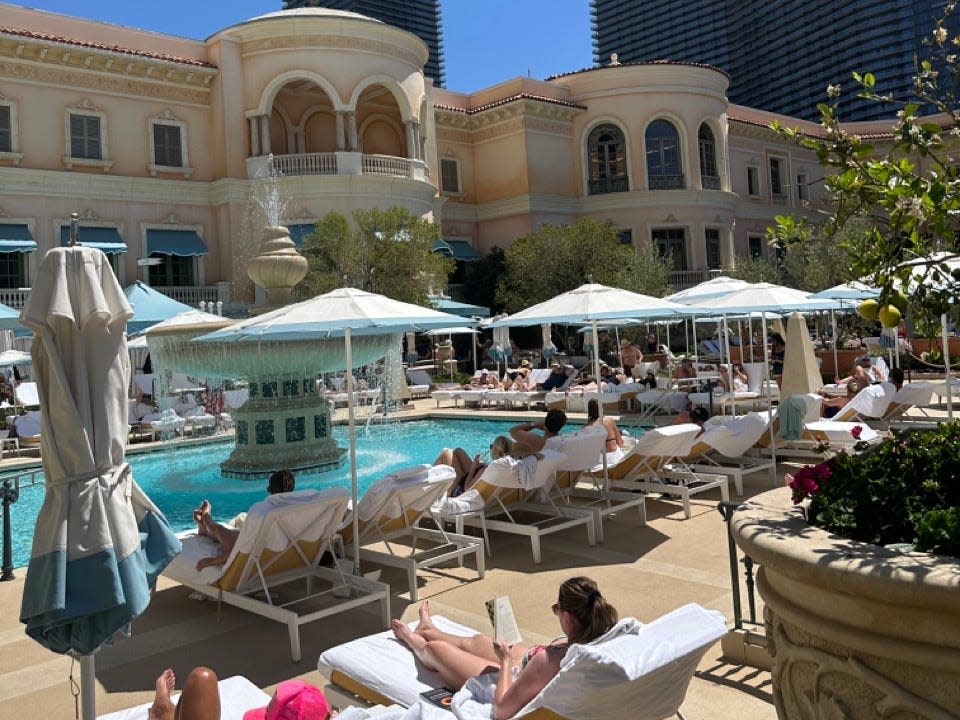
(420,17)
(780,55)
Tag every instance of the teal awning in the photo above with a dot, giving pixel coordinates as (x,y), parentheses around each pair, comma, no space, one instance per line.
(106,239)
(16,238)
(175,242)
(299,232)
(459,250)
(445,304)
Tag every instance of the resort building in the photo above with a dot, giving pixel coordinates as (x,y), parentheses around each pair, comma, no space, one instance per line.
(780,55)
(164,145)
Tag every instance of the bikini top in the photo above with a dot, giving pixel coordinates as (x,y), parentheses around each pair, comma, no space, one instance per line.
(534,650)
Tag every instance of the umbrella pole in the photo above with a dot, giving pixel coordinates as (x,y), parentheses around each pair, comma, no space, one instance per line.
(773,435)
(694,323)
(836,362)
(473,342)
(88,686)
(946,365)
(352,431)
(596,375)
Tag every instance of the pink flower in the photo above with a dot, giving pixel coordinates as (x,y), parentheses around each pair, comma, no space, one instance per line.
(807,480)
(856,431)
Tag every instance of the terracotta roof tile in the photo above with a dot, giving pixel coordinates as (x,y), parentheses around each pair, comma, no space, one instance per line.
(642,62)
(510,99)
(100,46)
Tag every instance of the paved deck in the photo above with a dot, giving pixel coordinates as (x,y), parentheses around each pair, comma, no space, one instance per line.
(644,571)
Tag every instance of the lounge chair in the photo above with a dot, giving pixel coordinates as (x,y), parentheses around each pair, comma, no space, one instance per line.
(27,395)
(162,423)
(389,513)
(195,416)
(280,546)
(419,383)
(870,402)
(657,463)
(237,696)
(723,448)
(506,493)
(807,439)
(583,449)
(28,429)
(915,395)
(635,671)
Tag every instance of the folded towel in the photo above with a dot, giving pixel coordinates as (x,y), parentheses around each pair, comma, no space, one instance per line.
(791,414)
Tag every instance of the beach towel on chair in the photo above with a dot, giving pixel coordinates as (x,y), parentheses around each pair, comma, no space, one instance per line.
(791,414)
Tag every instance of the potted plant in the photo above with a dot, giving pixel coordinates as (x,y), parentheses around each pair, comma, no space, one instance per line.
(860,577)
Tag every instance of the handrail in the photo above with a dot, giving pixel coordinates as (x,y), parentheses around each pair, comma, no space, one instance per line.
(9,494)
(727,508)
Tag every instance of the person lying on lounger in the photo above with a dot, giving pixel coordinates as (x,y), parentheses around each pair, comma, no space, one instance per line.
(551,426)
(225,536)
(200,700)
(583,614)
(469,470)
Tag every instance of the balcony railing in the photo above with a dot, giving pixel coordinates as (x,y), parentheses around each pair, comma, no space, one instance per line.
(609,185)
(386,165)
(191,295)
(710,182)
(666,182)
(681,279)
(14,297)
(306,164)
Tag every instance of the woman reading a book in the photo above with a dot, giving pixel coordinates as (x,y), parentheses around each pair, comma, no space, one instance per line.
(583,613)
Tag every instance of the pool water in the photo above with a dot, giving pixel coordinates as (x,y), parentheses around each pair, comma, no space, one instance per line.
(178,478)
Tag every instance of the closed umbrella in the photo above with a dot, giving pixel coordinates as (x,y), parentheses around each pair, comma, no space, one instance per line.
(99,543)
(801,374)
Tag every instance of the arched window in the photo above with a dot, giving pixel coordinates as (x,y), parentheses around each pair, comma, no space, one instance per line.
(663,156)
(709,177)
(607,160)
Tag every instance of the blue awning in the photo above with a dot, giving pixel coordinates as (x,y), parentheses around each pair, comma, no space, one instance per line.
(175,242)
(299,232)
(445,304)
(16,238)
(106,239)
(459,250)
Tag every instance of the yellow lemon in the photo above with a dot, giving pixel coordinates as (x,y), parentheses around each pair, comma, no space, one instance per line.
(899,300)
(889,316)
(868,309)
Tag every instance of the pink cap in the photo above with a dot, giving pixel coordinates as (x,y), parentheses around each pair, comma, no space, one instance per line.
(293,700)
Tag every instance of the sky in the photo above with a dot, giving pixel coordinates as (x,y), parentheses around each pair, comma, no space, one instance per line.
(484,41)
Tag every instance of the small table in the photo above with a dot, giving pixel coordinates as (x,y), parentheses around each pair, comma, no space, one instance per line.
(8,444)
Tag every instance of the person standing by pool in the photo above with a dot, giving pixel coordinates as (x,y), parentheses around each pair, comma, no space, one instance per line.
(630,357)
(282,481)
(551,425)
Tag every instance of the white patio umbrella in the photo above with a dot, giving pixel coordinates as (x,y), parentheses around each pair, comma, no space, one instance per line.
(99,543)
(306,335)
(714,287)
(801,374)
(851,292)
(591,304)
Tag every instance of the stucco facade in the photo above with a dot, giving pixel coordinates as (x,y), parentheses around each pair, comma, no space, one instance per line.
(161,145)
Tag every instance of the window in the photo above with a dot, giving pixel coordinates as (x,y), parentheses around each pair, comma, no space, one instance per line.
(85,140)
(167,145)
(672,246)
(12,270)
(625,237)
(6,129)
(712,240)
(450,176)
(607,160)
(709,177)
(776,177)
(173,271)
(663,156)
(753,181)
(755,246)
(803,189)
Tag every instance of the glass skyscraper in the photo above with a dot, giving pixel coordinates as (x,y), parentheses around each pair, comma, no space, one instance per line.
(780,55)
(420,17)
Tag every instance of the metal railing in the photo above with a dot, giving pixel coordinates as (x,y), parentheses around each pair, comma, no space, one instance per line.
(386,165)
(727,508)
(306,164)
(665,182)
(710,182)
(14,297)
(9,494)
(609,185)
(191,295)
(681,279)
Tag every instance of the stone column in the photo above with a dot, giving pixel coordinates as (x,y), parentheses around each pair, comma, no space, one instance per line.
(264,134)
(727,248)
(410,127)
(254,135)
(341,141)
(352,144)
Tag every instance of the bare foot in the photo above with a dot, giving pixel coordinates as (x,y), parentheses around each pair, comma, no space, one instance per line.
(163,707)
(405,635)
(426,622)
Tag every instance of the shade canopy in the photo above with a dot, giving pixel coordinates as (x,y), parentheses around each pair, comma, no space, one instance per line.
(463,330)
(10,318)
(714,287)
(445,304)
(16,237)
(459,250)
(9,358)
(150,306)
(99,543)
(185,243)
(801,372)
(105,239)
(594,302)
(764,297)
(853,290)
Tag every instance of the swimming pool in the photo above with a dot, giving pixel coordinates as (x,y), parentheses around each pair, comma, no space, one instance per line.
(178,478)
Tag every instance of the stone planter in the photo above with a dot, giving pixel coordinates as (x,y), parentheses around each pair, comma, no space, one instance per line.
(855,630)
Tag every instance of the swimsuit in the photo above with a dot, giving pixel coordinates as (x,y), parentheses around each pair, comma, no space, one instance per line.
(533,650)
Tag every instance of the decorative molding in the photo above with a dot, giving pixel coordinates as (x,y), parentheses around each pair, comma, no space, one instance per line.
(120,85)
(526,107)
(331,42)
(166,114)
(171,219)
(89,214)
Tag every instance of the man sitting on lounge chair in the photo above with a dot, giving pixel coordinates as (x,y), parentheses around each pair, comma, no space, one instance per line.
(557,378)
(282,481)
(551,425)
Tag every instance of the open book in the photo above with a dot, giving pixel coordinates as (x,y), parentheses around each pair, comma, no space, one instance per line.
(504,623)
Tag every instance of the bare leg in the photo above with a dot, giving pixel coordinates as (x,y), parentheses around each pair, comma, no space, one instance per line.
(453,664)
(200,699)
(445,457)
(198,514)
(479,645)
(227,537)
(163,708)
